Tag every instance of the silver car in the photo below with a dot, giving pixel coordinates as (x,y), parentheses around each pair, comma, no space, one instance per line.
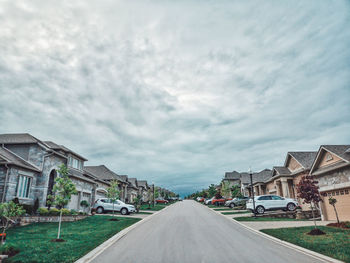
(105,205)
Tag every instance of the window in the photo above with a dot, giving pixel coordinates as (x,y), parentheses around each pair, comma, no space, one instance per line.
(23,186)
(329,157)
(275,197)
(75,163)
(346,192)
(264,198)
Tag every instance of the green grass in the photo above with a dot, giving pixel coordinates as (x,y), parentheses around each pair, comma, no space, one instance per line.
(82,236)
(336,242)
(143,213)
(215,206)
(222,209)
(251,218)
(235,212)
(156,207)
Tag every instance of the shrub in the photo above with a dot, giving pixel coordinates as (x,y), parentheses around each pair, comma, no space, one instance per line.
(36,206)
(73,212)
(54,212)
(66,212)
(28,209)
(43,211)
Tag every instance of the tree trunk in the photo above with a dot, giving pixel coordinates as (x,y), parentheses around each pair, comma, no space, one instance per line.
(59,225)
(313,215)
(113,208)
(336,213)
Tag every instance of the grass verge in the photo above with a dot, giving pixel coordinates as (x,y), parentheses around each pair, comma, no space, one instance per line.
(80,237)
(222,209)
(235,212)
(336,242)
(156,207)
(259,219)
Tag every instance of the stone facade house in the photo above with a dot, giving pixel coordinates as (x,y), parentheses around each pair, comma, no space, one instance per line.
(28,167)
(232,178)
(132,190)
(259,179)
(331,168)
(143,190)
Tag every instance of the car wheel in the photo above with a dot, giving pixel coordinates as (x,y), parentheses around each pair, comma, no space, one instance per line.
(291,207)
(232,205)
(124,211)
(99,210)
(260,209)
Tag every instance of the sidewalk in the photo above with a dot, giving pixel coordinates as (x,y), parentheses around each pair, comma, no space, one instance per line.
(282,224)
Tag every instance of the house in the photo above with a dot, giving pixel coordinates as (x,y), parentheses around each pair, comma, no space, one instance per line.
(285,178)
(232,178)
(331,168)
(105,174)
(259,179)
(132,190)
(143,190)
(28,167)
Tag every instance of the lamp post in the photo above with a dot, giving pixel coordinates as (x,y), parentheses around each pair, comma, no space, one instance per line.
(154,200)
(252,189)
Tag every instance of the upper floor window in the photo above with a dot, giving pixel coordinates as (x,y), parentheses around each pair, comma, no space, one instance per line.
(23,186)
(75,163)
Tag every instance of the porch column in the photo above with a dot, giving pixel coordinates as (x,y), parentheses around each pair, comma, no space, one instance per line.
(277,183)
(285,189)
(260,190)
(125,192)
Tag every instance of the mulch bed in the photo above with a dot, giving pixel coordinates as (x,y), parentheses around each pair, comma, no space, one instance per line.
(316,232)
(344,225)
(58,240)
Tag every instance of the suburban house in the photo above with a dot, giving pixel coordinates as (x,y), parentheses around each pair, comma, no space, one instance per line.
(331,168)
(132,190)
(259,179)
(28,167)
(143,190)
(232,178)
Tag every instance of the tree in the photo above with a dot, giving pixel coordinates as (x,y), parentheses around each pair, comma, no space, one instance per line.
(225,189)
(211,190)
(236,191)
(307,190)
(156,192)
(332,201)
(84,204)
(9,212)
(63,190)
(113,192)
(218,195)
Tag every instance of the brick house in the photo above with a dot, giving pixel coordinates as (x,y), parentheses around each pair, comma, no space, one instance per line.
(331,168)
(132,189)
(143,190)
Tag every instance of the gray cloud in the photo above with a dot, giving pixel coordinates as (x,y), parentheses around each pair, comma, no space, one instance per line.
(177,92)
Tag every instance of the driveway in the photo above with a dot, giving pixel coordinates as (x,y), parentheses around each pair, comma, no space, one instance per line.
(189,232)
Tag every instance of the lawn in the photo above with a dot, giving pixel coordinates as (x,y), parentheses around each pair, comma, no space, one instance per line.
(34,244)
(143,213)
(222,209)
(336,242)
(251,218)
(215,206)
(235,212)
(156,207)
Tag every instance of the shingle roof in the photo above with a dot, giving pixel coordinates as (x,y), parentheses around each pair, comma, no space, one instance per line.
(133,182)
(262,176)
(14,138)
(342,151)
(306,159)
(79,174)
(245,178)
(142,183)
(232,175)
(282,170)
(11,158)
(55,146)
(103,173)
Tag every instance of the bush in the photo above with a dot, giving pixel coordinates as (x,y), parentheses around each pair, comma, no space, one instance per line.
(73,212)
(36,206)
(54,212)
(43,211)
(28,208)
(66,212)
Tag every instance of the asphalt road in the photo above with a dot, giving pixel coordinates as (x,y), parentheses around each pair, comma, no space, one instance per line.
(188,232)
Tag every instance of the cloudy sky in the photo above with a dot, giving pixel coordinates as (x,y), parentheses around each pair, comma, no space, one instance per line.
(177,92)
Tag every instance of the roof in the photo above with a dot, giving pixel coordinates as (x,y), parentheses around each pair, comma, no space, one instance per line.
(55,146)
(103,173)
(133,182)
(343,151)
(245,178)
(282,170)
(11,158)
(306,159)
(124,177)
(79,174)
(232,175)
(262,176)
(142,183)
(16,138)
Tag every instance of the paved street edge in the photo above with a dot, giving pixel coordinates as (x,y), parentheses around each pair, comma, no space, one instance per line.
(98,250)
(282,242)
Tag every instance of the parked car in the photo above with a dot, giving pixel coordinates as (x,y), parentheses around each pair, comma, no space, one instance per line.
(208,201)
(198,198)
(161,201)
(201,200)
(238,201)
(271,202)
(219,201)
(103,205)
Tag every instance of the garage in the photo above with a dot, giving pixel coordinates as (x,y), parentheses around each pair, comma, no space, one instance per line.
(342,205)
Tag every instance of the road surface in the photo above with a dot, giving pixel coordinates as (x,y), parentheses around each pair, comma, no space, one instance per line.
(188,232)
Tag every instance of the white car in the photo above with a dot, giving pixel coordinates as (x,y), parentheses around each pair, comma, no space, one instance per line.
(208,201)
(271,202)
(104,205)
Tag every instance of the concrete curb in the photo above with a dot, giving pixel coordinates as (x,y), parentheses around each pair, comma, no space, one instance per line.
(284,243)
(102,247)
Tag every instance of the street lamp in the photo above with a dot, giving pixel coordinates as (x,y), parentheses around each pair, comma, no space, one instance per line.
(154,200)
(252,189)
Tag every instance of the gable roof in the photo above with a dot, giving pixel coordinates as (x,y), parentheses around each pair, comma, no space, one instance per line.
(102,172)
(281,170)
(56,147)
(245,178)
(142,183)
(11,158)
(262,176)
(305,159)
(133,182)
(17,138)
(232,175)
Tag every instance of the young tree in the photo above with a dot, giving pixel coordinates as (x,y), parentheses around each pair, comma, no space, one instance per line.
(211,190)
(225,189)
(218,195)
(307,190)
(236,191)
(9,212)
(63,190)
(113,192)
(332,201)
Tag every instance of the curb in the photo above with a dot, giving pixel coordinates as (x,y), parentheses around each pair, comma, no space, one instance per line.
(102,247)
(305,251)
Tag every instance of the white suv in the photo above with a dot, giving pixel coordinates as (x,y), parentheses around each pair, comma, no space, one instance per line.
(271,202)
(104,204)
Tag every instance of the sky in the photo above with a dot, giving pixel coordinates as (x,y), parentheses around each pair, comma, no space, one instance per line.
(177,92)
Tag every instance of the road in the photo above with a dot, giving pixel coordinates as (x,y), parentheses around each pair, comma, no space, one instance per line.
(188,232)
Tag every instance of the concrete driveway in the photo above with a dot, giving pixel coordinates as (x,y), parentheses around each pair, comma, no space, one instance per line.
(189,232)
